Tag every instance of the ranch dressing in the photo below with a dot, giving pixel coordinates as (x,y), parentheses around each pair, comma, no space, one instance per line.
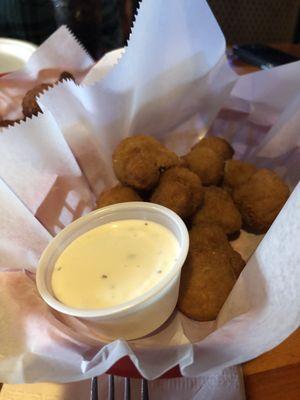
(113,263)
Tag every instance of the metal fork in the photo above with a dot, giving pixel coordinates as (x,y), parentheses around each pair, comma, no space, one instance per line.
(111,389)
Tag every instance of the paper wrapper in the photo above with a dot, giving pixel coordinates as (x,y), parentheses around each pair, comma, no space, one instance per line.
(60,52)
(173,82)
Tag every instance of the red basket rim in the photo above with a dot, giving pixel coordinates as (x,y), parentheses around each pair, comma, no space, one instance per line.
(125,368)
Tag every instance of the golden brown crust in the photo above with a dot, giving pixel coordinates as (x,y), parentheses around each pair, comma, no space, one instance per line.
(219,208)
(206,281)
(206,163)
(260,199)
(117,194)
(236,261)
(209,236)
(180,190)
(29,104)
(218,145)
(237,173)
(138,161)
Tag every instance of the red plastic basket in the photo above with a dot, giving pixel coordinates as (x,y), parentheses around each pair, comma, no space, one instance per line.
(125,367)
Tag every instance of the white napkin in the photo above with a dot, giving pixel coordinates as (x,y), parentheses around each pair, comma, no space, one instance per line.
(222,386)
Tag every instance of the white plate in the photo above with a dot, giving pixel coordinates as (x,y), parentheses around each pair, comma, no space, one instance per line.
(14,54)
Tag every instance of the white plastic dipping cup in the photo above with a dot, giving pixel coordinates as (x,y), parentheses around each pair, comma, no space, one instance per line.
(141,315)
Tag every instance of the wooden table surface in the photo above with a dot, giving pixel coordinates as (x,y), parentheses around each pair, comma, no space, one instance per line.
(242,68)
(276,374)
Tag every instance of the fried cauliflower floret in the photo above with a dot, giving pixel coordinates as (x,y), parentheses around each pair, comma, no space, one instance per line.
(218,145)
(260,199)
(29,104)
(138,161)
(209,236)
(180,190)
(237,172)
(206,281)
(117,194)
(219,208)
(206,163)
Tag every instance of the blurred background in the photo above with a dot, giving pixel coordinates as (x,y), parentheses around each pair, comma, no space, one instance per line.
(103,25)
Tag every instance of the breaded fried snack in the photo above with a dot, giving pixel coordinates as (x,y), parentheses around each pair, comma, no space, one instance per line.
(218,145)
(138,161)
(237,172)
(210,236)
(236,261)
(206,281)
(206,163)
(29,104)
(260,199)
(180,190)
(117,194)
(219,208)
(207,236)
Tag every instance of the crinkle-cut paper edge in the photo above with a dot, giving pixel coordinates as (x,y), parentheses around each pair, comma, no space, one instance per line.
(124,48)
(23,120)
(19,123)
(77,42)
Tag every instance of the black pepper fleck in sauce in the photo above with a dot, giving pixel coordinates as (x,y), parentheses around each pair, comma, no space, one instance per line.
(104,276)
(131,256)
(59,269)
(159,271)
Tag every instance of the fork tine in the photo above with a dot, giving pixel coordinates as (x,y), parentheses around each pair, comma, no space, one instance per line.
(94,388)
(145,394)
(111,387)
(126,388)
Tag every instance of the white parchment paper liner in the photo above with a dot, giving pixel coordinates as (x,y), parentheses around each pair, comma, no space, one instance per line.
(60,52)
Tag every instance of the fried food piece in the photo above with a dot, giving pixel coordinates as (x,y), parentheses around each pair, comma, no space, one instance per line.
(237,172)
(206,281)
(209,236)
(236,261)
(117,194)
(29,104)
(66,75)
(260,199)
(138,161)
(180,190)
(218,145)
(7,122)
(219,208)
(206,163)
